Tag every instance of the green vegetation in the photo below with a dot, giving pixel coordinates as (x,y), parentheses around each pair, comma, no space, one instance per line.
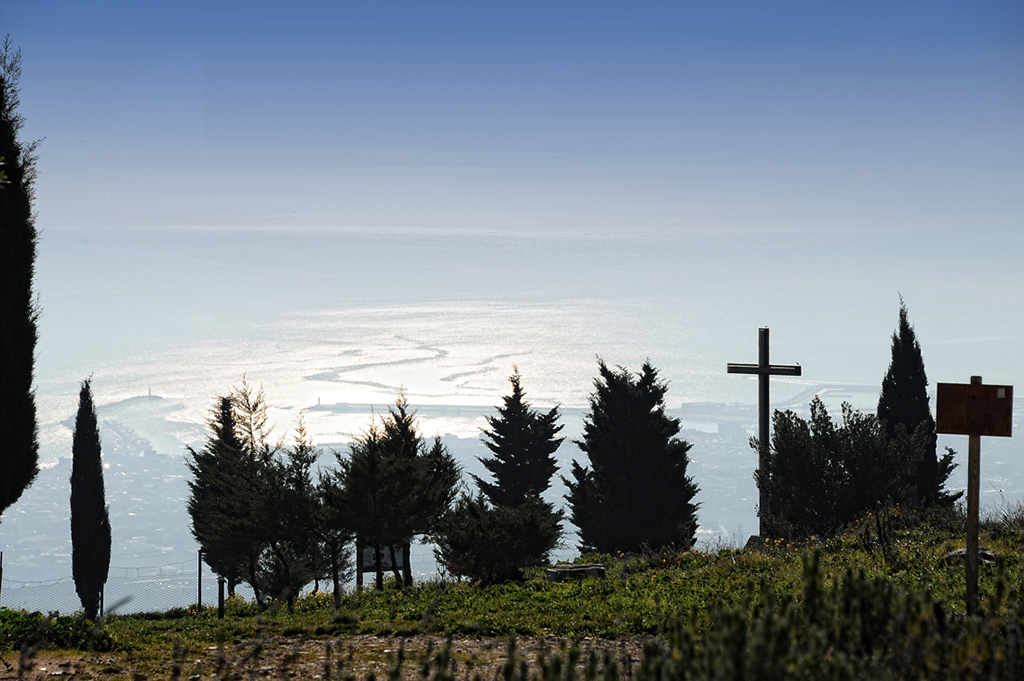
(877,601)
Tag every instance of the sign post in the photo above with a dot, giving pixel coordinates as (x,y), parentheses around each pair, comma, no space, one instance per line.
(973,410)
(763,369)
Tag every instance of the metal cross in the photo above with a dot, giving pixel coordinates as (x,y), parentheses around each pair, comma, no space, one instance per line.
(763,369)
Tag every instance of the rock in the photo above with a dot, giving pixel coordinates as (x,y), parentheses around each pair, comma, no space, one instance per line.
(958,556)
(566,571)
(754,543)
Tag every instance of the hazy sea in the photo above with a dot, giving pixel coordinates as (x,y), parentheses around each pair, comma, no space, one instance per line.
(337,322)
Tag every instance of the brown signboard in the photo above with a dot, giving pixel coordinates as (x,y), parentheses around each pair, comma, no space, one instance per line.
(974,409)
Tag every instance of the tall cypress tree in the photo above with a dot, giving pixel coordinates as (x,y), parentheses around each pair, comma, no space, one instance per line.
(903,403)
(19,454)
(523,442)
(636,492)
(90,519)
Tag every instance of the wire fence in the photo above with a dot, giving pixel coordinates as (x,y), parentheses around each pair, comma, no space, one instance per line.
(153,588)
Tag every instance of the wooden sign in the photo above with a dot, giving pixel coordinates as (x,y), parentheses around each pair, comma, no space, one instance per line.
(974,409)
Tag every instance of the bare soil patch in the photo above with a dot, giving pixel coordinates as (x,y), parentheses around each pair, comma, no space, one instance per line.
(284,657)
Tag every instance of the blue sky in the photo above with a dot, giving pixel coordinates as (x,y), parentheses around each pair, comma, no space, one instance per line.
(701,120)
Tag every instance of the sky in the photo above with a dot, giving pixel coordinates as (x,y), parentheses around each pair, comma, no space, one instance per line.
(694,121)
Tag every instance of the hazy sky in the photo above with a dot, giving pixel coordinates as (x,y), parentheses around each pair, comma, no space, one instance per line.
(717,120)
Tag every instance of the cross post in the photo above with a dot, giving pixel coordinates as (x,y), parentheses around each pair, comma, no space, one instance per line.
(764,369)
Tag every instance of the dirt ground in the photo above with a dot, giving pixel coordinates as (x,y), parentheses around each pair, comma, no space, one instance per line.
(287,658)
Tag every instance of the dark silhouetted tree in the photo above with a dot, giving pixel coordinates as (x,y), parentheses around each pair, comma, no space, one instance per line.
(636,492)
(491,537)
(523,442)
(822,477)
(231,488)
(293,550)
(492,544)
(904,403)
(393,486)
(334,530)
(19,455)
(90,520)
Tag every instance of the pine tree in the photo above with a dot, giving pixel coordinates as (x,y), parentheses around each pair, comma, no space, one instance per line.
(636,493)
(523,442)
(291,559)
(19,456)
(903,402)
(90,520)
(231,489)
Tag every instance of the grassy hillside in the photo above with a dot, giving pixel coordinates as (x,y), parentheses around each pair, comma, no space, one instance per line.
(879,597)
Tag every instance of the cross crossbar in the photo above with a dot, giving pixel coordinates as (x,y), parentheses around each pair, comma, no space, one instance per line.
(771,369)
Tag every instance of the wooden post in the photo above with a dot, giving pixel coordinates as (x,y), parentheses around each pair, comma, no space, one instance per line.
(1,572)
(199,599)
(973,501)
(764,502)
(973,410)
(220,598)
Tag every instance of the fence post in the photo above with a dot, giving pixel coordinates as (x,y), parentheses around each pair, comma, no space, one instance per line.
(1,573)
(220,597)
(199,598)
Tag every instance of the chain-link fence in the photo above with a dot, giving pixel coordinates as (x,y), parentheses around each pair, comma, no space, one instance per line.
(154,588)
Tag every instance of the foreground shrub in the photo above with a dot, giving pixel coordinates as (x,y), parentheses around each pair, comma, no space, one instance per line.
(20,629)
(492,544)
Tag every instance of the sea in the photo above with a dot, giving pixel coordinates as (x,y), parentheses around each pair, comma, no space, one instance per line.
(334,323)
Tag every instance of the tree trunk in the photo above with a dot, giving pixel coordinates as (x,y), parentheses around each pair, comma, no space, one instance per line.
(394,565)
(335,577)
(378,568)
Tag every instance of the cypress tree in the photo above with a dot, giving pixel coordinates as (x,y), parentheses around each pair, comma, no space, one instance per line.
(508,526)
(393,486)
(213,469)
(523,442)
(636,493)
(90,520)
(903,403)
(19,455)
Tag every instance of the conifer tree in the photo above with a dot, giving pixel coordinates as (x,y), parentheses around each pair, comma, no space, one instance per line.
(230,501)
(213,469)
(90,519)
(491,537)
(903,403)
(523,442)
(19,454)
(636,492)
(293,550)
(393,486)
